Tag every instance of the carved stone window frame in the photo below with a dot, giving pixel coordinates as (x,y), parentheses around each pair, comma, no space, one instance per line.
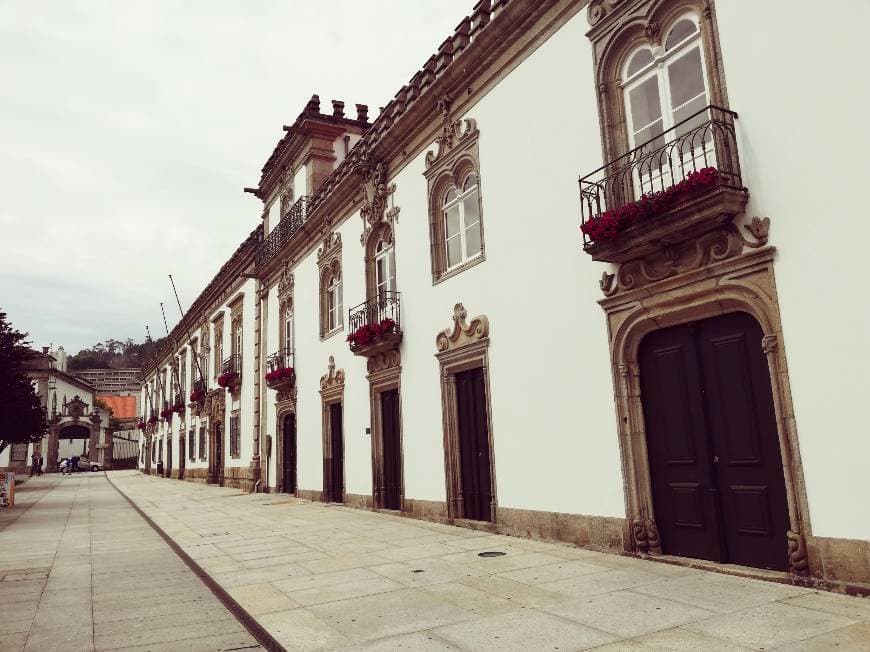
(218,349)
(329,267)
(457,156)
(384,374)
(331,392)
(617,29)
(463,347)
(286,285)
(742,283)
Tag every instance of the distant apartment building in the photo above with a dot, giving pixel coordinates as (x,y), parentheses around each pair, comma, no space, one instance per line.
(111,381)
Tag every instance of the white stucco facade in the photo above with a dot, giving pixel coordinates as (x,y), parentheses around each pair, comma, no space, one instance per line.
(554,425)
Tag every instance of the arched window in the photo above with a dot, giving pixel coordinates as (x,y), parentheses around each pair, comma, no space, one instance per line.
(385,268)
(287,328)
(666,86)
(333,302)
(461,211)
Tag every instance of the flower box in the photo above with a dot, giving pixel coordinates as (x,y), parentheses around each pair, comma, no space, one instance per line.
(281,376)
(167,413)
(152,421)
(178,408)
(197,396)
(687,209)
(371,339)
(228,379)
(142,425)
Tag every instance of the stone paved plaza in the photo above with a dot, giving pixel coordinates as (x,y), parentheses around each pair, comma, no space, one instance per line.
(81,569)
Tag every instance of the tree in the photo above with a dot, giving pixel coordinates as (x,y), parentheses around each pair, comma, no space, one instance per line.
(22,416)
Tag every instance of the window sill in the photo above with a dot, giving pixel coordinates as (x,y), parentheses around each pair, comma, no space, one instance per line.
(331,333)
(454,271)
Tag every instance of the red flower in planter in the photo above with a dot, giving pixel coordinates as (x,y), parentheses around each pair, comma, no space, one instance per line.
(141,425)
(197,395)
(609,224)
(167,413)
(368,333)
(178,407)
(226,379)
(152,420)
(280,374)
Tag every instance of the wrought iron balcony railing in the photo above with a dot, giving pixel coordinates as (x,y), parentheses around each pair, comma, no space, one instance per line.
(290,222)
(282,359)
(232,365)
(706,139)
(382,309)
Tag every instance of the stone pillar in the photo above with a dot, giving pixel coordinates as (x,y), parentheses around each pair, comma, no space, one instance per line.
(53,449)
(109,450)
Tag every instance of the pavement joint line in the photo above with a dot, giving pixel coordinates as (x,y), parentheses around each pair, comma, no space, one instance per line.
(260,633)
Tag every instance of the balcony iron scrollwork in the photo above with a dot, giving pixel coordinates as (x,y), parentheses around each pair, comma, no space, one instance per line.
(376,325)
(290,223)
(281,372)
(231,372)
(671,188)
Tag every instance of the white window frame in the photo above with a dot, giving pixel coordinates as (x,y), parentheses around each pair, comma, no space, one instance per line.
(658,68)
(287,325)
(459,201)
(334,307)
(385,252)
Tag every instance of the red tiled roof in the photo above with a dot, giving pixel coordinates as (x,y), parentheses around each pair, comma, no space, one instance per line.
(123,407)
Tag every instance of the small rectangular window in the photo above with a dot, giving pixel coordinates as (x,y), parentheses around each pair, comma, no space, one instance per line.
(235,436)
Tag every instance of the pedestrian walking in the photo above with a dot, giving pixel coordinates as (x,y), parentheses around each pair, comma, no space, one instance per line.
(74,466)
(34,465)
(39,465)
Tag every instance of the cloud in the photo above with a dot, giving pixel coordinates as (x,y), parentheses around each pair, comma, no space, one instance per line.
(129,130)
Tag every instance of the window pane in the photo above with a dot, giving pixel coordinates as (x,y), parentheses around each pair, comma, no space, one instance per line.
(471,207)
(451,195)
(392,268)
(645,105)
(472,240)
(680,32)
(380,271)
(471,181)
(451,219)
(454,254)
(685,78)
(641,59)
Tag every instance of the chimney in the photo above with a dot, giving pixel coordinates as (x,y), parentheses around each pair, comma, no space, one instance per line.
(313,105)
(45,350)
(337,109)
(362,112)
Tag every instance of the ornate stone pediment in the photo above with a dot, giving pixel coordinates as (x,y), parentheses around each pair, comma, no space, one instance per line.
(453,133)
(331,242)
(462,333)
(333,377)
(376,192)
(76,408)
(672,259)
(286,282)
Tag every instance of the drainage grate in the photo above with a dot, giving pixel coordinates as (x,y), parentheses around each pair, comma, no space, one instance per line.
(491,553)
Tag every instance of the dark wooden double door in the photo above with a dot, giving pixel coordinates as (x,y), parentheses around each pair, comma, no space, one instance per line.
(391,450)
(333,465)
(715,461)
(288,454)
(475,459)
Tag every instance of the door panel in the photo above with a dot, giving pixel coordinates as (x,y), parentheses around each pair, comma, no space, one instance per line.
(289,453)
(474,453)
(715,462)
(337,460)
(679,457)
(391,447)
(742,422)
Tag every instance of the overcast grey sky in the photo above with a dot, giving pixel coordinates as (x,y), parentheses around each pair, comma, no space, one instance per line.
(129,128)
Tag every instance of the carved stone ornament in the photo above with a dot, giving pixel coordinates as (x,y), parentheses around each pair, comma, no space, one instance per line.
(452,132)
(462,332)
(215,403)
(330,243)
(333,377)
(671,260)
(759,228)
(76,408)
(797,554)
(384,361)
(645,534)
(286,393)
(377,192)
(285,282)
(769,343)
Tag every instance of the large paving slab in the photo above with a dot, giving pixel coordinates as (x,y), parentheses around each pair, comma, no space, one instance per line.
(328,577)
(81,570)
